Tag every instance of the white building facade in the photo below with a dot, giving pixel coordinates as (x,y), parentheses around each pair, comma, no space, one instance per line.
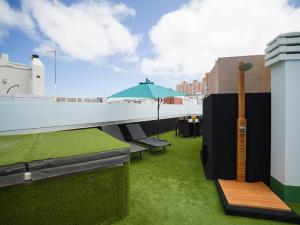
(18,78)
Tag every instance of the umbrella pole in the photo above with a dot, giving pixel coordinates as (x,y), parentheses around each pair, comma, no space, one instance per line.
(158,106)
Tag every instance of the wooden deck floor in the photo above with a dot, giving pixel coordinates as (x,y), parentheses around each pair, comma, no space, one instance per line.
(254,195)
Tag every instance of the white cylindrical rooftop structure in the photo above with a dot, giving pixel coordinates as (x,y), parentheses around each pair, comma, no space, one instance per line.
(283,57)
(283,47)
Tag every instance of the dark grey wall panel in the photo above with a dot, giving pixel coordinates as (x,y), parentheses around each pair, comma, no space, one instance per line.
(219,144)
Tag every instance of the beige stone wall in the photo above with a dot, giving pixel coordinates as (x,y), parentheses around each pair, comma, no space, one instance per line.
(258,79)
(213,80)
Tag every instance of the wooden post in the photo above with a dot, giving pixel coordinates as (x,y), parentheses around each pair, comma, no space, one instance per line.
(241,128)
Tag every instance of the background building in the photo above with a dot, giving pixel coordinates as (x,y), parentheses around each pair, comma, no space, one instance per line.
(18,78)
(190,88)
(204,83)
(173,100)
(195,88)
(223,77)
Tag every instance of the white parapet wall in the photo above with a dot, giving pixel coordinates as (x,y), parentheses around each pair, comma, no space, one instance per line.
(283,57)
(34,114)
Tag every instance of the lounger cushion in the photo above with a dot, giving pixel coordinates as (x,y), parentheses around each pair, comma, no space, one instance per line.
(138,135)
(153,142)
(136,131)
(114,131)
(136,148)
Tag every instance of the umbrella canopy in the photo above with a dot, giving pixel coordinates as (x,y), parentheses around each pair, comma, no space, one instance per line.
(147,90)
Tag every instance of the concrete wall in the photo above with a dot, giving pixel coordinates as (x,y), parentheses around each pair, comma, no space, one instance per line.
(285,143)
(14,76)
(224,76)
(213,80)
(278,123)
(283,58)
(292,122)
(28,115)
(30,80)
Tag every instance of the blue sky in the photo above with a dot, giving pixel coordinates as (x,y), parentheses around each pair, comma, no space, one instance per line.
(182,43)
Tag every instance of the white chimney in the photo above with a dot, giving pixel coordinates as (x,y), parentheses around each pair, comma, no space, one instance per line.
(37,76)
(4,59)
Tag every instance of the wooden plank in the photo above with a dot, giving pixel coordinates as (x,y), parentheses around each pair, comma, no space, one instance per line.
(241,130)
(241,151)
(241,94)
(254,195)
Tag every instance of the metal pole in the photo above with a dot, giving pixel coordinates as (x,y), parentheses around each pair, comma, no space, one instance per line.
(54,51)
(158,117)
(55,72)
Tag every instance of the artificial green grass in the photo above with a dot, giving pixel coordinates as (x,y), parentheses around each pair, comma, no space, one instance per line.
(170,188)
(295,207)
(99,197)
(30,147)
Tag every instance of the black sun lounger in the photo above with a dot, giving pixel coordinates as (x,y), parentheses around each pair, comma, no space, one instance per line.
(138,135)
(115,131)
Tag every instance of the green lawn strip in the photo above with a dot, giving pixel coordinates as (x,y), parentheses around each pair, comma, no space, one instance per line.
(170,188)
(30,147)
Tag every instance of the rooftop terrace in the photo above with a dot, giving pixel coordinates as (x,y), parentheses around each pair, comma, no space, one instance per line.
(171,189)
(165,188)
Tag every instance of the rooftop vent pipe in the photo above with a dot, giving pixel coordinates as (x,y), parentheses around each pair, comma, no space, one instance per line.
(35,56)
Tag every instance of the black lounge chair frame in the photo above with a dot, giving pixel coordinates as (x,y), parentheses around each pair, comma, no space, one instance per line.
(114,130)
(139,136)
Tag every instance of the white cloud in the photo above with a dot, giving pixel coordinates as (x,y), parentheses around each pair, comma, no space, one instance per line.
(45,48)
(118,69)
(87,30)
(12,19)
(186,42)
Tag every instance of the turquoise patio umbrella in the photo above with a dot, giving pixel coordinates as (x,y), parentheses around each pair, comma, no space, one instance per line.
(150,90)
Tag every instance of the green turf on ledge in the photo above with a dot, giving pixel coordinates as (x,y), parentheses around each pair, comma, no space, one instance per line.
(89,198)
(30,147)
(92,197)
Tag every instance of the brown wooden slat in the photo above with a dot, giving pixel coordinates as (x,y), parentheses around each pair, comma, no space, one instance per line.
(241,136)
(241,151)
(255,195)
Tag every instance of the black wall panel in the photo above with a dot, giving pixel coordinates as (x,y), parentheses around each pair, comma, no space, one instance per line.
(219,144)
(153,127)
